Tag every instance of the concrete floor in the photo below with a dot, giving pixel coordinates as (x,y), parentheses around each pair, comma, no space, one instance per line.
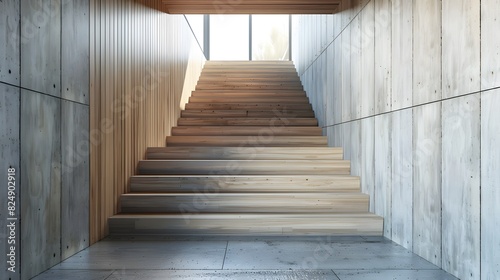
(288,258)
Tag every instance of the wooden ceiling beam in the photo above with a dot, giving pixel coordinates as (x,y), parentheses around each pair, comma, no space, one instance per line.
(252,6)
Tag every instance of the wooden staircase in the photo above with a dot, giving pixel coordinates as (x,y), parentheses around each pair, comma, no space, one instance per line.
(247,158)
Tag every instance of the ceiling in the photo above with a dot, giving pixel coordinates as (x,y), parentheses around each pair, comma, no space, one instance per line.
(251,6)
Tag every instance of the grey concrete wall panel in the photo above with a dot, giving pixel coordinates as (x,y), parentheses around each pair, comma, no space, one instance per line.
(337,80)
(346,74)
(383,170)
(40,46)
(330,91)
(368,60)
(9,153)
(402,178)
(75,178)
(490,44)
(75,53)
(9,45)
(427,182)
(347,140)
(383,56)
(368,159)
(461,47)
(356,151)
(490,182)
(402,54)
(355,53)
(426,51)
(461,187)
(41,182)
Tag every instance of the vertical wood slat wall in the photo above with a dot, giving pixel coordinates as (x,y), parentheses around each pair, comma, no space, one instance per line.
(144,65)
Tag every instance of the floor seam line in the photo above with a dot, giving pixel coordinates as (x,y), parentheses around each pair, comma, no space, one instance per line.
(225,254)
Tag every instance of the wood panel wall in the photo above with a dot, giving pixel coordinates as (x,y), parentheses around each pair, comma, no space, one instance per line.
(144,65)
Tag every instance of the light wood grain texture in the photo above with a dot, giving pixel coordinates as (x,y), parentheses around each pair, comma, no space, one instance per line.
(427,153)
(247,224)
(244,167)
(490,193)
(367,102)
(402,54)
(402,178)
(461,187)
(247,141)
(461,47)
(244,184)
(383,171)
(246,157)
(426,51)
(242,153)
(383,56)
(271,122)
(490,44)
(261,131)
(246,203)
(139,80)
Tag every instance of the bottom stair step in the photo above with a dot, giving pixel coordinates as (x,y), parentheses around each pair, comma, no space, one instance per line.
(366,224)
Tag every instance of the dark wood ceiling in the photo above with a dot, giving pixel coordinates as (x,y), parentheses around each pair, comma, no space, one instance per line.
(251,6)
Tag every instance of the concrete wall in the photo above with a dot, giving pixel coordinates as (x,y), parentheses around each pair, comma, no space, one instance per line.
(411,90)
(44,86)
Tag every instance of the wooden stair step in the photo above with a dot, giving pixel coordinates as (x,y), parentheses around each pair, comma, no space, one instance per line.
(247,141)
(271,122)
(247,106)
(245,153)
(245,203)
(249,87)
(247,93)
(244,167)
(244,184)
(245,114)
(246,131)
(364,224)
(246,99)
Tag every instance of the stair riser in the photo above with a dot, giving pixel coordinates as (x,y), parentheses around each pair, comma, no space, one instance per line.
(252,167)
(222,94)
(244,153)
(271,122)
(245,114)
(309,184)
(247,141)
(245,131)
(299,100)
(250,107)
(246,203)
(253,225)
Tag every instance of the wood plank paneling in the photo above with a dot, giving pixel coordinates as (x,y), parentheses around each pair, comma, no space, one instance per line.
(461,187)
(402,54)
(368,60)
(383,58)
(490,44)
(461,47)
(346,74)
(427,182)
(426,51)
(383,171)
(141,76)
(402,178)
(490,193)
(9,47)
(356,66)
(368,159)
